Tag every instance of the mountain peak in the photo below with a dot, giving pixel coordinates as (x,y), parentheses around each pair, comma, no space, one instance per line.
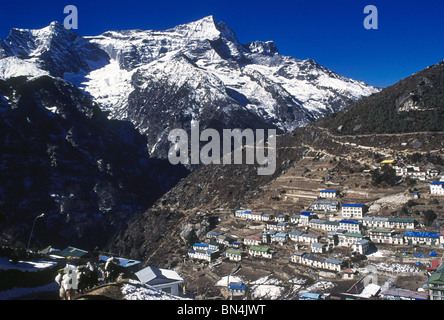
(202,29)
(57,49)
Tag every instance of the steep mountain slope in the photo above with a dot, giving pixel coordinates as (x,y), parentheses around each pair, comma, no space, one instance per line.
(62,156)
(162,80)
(415,103)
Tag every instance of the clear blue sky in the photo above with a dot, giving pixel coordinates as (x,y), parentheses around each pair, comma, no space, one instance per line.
(410,36)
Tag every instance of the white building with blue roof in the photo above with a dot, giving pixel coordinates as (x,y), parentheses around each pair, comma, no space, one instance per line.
(163,279)
(361,246)
(201,246)
(437,188)
(325,205)
(350,225)
(318,247)
(353,210)
(315,261)
(310,296)
(237,288)
(421,238)
(334,264)
(305,217)
(294,235)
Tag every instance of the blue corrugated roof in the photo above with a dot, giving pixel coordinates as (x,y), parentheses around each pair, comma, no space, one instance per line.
(157,276)
(309,295)
(202,245)
(437,183)
(328,190)
(421,234)
(306,213)
(349,221)
(356,205)
(333,261)
(236,286)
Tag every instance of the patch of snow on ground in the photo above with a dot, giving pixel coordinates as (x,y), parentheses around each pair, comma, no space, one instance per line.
(266,288)
(15,293)
(378,254)
(134,290)
(31,266)
(296,286)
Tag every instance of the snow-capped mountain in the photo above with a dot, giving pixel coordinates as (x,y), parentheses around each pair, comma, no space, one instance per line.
(52,50)
(162,80)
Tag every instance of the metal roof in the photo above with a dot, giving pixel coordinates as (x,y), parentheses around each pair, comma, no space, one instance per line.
(376,218)
(407,220)
(236,286)
(308,235)
(333,261)
(317,221)
(233,251)
(123,262)
(157,276)
(310,295)
(405,293)
(421,234)
(72,252)
(280,234)
(256,248)
(202,245)
(349,221)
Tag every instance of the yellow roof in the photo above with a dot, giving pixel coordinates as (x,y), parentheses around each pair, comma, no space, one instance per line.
(388,161)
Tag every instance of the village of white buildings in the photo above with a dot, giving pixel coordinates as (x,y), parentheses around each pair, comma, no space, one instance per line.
(312,240)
